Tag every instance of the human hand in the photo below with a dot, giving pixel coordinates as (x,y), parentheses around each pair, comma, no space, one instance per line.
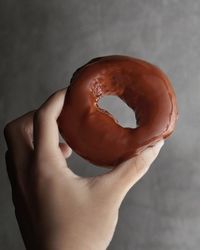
(55,208)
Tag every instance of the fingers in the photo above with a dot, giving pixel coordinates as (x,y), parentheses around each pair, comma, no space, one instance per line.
(46,134)
(49,154)
(19,136)
(119,180)
(132,170)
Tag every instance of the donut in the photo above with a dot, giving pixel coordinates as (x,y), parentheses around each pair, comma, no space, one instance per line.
(93,133)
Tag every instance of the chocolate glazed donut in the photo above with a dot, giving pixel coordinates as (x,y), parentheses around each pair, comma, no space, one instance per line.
(93,133)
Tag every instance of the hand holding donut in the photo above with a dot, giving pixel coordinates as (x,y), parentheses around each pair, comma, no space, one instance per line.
(55,208)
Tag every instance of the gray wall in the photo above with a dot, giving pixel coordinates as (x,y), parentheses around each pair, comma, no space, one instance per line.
(43,42)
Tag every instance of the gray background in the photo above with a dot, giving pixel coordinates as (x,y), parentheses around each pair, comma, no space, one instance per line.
(43,42)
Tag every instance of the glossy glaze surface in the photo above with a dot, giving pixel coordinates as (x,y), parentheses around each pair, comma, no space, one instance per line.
(93,133)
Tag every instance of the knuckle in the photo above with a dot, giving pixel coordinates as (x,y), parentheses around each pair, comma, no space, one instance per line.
(27,130)
(16,127)
(22,125)
(43,112)
(55,94)
(8,129)
(59,92)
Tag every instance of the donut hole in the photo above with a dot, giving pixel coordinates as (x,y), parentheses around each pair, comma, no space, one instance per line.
(119,110)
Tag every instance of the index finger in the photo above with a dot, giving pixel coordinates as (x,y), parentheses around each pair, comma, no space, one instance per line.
(45,132)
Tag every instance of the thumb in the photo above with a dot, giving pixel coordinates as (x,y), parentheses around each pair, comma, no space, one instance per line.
(119,180)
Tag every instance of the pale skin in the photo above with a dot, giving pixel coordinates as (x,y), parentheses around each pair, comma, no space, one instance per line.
(55,208)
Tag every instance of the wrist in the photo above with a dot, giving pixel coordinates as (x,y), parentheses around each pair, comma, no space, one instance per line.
(71,244)
(74,238)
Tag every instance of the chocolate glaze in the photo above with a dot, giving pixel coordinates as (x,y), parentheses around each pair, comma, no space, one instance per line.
(93,133)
